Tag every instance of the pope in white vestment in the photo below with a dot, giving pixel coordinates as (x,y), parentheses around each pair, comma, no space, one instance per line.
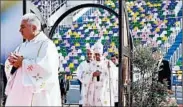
(35,82)
(99,90)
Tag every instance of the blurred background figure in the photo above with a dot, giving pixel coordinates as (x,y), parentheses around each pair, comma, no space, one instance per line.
(3,82)
(114,59)
(164,72)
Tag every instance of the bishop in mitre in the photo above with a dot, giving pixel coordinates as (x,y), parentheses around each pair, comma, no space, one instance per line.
(32,69)
(100,86)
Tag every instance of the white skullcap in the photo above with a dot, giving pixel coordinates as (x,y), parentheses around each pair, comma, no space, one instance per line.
(98,48)
(88,47)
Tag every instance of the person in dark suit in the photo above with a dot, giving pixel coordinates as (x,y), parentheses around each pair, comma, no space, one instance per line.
(62,87)
(164,72)
(3,81)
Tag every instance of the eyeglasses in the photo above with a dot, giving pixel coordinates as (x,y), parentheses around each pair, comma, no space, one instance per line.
(97,54)
(89,53)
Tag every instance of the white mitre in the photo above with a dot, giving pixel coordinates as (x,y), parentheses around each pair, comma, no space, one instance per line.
(98,48)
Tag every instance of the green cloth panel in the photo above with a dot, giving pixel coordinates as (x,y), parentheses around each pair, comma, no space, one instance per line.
(61,33)
(163,41)
(83,49)
(103,42)
(96,31)
(59,51)
(158,38)
(151,36)
(179,63)
(72,69)
(64,54)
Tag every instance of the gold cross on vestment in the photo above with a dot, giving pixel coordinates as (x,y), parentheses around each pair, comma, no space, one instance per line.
(42,85)
(105,102)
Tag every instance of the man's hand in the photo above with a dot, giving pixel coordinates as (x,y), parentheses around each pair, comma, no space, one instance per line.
(11,58)
(16,60)
(97,73)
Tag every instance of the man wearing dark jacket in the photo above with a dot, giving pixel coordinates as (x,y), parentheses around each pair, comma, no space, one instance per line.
(3,81)
(164,72)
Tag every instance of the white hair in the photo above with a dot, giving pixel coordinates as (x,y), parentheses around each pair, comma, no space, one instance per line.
(32,19)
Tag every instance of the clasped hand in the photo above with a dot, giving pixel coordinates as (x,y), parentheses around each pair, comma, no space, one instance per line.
(15,60)
(96,73)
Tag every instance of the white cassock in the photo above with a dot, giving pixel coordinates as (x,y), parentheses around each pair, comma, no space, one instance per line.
(36,82)
(99,93)
(116,81)
(83,67)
